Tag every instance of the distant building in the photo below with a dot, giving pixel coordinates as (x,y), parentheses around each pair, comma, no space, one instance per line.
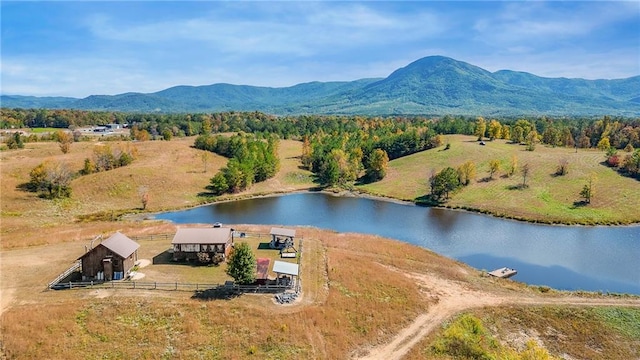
(188,242)
(112,259)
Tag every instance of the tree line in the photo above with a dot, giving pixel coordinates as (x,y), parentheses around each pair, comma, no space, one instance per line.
(252,159)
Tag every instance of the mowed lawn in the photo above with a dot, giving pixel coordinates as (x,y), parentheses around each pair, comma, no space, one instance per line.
(549,198)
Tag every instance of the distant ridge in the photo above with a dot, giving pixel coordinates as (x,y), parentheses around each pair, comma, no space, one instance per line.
(431,85)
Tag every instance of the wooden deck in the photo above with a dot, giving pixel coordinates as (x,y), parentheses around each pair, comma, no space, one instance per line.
(503,272)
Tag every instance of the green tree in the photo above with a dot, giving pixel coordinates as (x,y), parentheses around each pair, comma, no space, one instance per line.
(218,184)
(377,165)
(241,265)
(443,183)
(588,190)
(517,135)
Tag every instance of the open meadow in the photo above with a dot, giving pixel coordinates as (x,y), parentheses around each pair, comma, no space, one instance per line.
(362,296)
(548,198)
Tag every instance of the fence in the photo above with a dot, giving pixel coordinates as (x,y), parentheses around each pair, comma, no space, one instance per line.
(175,286)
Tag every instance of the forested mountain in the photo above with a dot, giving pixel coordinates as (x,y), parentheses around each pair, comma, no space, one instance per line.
(431,85)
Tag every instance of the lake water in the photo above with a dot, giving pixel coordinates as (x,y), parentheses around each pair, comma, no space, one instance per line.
(564,257)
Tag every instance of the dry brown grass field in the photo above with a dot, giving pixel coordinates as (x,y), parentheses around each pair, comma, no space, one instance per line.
(358,293)
(362,295)
(172,171)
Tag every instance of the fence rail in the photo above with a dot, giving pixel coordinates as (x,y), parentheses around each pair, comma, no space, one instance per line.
(66,273)
(175,286)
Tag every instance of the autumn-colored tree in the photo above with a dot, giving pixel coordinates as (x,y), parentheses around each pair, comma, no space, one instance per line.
(495,129)
(467,172)
(513,165)
(481,127)
(65,140)
(51,179)
(306,153)
(494,167)
(604,144)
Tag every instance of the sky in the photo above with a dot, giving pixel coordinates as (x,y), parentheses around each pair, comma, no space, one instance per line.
(80,48)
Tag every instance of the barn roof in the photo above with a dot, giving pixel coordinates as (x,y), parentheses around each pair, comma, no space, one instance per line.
(202,236)
(283,232)
(282,267)
(120,244)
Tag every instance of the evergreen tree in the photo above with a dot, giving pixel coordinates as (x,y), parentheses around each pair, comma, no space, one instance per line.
(242,264)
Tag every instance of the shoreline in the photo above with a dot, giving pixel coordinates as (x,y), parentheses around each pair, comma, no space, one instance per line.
(366,195)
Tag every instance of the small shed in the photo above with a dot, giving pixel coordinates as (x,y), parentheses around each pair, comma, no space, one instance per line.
(112,259)
(282,238)
(188,242)
(286,272)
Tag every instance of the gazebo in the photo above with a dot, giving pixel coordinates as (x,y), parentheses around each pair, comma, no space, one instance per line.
(281,238)
(286,273)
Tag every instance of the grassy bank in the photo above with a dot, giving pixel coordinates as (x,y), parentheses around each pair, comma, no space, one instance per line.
(548,198)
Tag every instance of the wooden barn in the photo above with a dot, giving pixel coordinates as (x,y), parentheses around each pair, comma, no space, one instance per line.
(282,238)
(188,242)
(111,259)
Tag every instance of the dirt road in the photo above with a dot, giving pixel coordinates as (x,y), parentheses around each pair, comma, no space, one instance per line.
(453,298)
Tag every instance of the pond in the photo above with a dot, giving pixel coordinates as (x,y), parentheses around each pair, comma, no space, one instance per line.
(594,258)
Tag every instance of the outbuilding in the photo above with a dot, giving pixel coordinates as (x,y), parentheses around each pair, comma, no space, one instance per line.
(188,242)
(112,259)
(286,273)
(282,238)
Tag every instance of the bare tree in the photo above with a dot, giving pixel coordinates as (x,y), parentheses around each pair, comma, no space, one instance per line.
(563,167)
(526,169)
(143,192)
(206,157)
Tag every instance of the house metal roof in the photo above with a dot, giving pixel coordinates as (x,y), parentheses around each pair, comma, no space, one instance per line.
(281,267)
(283,232)
(202,236)
(120,244)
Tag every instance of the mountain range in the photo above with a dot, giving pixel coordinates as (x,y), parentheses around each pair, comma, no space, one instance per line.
(430,86)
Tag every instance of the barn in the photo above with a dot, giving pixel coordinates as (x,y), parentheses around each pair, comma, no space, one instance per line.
(111,259)
(188,242)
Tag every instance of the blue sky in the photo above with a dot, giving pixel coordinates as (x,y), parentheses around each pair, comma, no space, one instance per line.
(80,48)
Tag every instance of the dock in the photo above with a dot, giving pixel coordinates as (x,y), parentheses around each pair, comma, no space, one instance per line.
(504,272)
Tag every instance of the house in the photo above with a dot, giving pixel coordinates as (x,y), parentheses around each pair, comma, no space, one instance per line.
(112,259)
(188,242)
(282,238)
